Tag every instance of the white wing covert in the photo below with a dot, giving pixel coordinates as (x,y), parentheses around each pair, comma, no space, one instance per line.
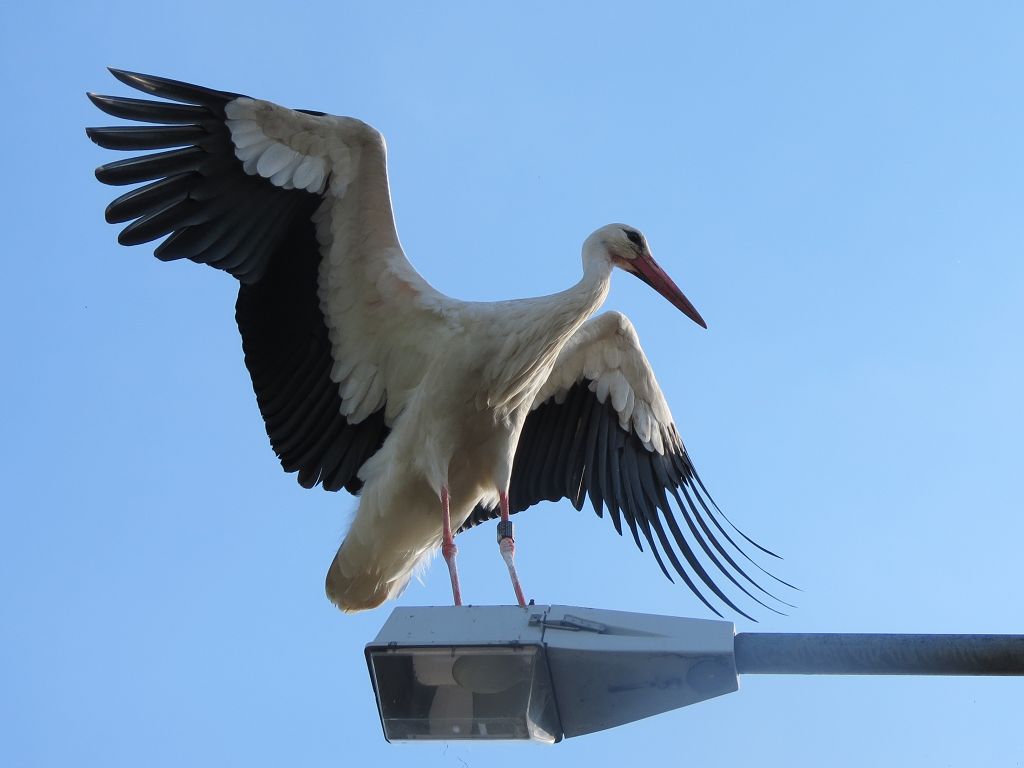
(606,352)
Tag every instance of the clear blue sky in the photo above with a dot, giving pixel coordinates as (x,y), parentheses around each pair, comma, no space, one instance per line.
(839,189)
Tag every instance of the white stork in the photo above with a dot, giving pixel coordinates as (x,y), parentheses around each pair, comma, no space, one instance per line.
(441,413)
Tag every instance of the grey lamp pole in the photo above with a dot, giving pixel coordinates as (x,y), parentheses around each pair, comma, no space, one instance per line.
(783,653)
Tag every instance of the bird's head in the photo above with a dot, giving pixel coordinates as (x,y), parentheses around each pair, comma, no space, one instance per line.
(626,248)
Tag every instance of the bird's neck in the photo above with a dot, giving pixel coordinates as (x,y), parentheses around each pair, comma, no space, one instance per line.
(562,313)
(528,351)
(592,289)
(571,308)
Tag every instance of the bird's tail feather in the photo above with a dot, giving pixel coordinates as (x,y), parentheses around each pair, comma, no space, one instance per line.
(362,591)
(362,577)
(395,528)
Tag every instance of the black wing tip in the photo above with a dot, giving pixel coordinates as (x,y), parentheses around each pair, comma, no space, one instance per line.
(104,103)
(760,547)
(137,80)
(691,478)
(98,99)
(696,476)
(175,90)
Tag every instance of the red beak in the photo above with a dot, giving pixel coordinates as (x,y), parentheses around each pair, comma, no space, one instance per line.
(647,269)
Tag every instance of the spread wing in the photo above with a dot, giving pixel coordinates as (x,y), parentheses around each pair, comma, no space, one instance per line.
(296,206)
(600,427)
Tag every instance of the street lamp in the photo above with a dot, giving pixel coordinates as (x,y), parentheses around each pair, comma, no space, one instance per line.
(548,672)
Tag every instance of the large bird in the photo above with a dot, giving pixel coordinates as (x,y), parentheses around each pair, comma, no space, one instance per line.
(440,413)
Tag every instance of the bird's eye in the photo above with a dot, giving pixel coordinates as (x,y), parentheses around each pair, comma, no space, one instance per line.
(633,236)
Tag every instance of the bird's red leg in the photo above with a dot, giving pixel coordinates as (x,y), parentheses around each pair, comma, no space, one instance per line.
(448,548)
(507,545)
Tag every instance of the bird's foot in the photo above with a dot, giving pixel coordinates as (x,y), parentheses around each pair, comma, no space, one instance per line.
(450,551)
(507,545)
(448,548)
